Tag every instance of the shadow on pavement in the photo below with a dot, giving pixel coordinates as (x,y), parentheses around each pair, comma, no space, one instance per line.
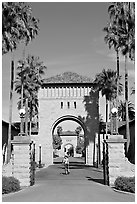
(101,181)
(74,165)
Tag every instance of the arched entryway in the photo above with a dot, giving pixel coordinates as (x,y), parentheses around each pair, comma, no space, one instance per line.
(69,148)
(69,117)
(70,139)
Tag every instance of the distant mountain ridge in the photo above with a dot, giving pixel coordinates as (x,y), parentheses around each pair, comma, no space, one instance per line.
(69,77)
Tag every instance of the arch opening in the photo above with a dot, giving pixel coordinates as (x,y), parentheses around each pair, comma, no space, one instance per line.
(69,117)
(72,139)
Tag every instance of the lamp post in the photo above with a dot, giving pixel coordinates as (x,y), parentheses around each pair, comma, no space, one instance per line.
(114,121)
(22,116)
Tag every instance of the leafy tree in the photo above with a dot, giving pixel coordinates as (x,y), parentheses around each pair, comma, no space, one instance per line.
(57,142)
(18,25)
(78,130)
(80,142)
(59,130)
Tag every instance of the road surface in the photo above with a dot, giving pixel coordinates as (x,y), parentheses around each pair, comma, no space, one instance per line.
(83,184)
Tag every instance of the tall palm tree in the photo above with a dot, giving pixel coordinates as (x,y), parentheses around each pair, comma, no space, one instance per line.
(113,36)
(127,47)
(122,17)
(30,74)
(106,82)
(18,25)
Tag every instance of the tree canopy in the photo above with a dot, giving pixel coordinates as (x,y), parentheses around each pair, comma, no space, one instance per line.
(106,82)
(30,73)
(18,25)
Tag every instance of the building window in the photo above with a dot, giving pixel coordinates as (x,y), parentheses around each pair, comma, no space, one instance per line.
(75,104)
(61,105)
(68,104)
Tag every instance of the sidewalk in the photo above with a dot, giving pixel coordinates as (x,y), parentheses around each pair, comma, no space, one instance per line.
(83,184)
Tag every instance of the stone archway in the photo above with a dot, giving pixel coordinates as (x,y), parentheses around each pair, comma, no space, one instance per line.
(67,96)
(69,117)
(69,138)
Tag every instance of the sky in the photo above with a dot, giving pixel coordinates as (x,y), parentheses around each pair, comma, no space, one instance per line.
(70,39)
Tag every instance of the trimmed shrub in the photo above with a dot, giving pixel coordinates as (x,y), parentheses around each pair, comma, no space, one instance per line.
(125,184)
(10,184)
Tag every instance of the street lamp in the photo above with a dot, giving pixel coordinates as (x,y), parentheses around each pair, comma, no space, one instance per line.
(114,110)
(114,121)
(22,113)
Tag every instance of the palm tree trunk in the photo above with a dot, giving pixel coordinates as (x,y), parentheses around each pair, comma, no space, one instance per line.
(30,119)
(30,124)
(126,101)
(22,122)
(110,108)
(117,100)
(26,118)
(117,63)
(10,112)
(106,118)
(117,97)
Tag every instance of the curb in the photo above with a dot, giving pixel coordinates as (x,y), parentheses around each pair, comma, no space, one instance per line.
(124,192)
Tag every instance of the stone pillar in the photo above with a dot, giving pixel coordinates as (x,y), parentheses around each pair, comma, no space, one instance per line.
(90,154)
(21,159)
(74,149)
(116,156)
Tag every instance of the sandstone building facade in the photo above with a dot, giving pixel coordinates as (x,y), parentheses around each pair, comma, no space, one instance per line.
(67,97)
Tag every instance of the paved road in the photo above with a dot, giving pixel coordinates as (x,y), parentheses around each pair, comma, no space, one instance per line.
(83,184)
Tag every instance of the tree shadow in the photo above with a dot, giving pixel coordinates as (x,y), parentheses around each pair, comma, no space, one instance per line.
(75,165)
(101,181)
(91,121)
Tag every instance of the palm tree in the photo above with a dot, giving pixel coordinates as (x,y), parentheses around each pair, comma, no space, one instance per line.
(127,47)
(30,74)
(106,82)
(113,37)
(122,111)
(18,25)
(122,17)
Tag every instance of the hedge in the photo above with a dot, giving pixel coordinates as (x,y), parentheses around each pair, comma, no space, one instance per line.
(10,184)
(125,184)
